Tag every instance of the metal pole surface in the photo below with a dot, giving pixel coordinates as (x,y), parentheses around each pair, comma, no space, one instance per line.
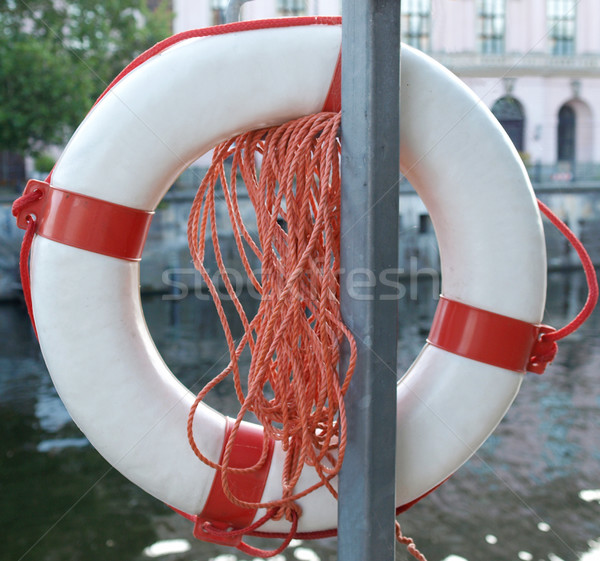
(369,254)
(234,7)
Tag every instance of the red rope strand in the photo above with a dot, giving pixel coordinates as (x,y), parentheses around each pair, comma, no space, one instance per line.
(251,550)
(296,334)
(20,206)
(409,543)
(590,275)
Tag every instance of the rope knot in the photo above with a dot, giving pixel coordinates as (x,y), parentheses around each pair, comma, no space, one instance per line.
(544,350)
(289,511)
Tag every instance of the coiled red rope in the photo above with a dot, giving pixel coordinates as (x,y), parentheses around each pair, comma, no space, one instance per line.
(294,386)
(298,246)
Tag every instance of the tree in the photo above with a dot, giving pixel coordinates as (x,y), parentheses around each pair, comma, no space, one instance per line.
(57,56)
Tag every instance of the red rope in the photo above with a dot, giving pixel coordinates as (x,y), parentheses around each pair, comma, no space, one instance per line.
(409,543)
(296,334)
(19,206)
(590,275)
(546,347)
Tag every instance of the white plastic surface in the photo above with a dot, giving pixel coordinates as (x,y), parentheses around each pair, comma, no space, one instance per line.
(167,113)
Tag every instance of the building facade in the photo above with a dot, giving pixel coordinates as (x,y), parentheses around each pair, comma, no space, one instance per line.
(534,63)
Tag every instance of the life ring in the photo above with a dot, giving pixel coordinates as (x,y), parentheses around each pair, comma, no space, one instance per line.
(174,107)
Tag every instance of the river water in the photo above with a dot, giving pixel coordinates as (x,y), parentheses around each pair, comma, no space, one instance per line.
(531,493)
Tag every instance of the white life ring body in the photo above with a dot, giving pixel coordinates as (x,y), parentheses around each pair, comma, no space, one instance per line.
(176,106)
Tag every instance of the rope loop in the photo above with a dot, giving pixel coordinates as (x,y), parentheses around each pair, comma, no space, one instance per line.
(590,275)
(546,347)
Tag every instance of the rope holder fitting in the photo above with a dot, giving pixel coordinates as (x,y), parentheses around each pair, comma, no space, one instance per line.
(31,205)
(208,531)
(543,351)
(491,338)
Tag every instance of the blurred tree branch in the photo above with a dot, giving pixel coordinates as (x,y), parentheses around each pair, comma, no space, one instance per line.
(57,56)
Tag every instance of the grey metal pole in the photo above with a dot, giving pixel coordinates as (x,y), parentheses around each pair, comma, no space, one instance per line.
(233,10)
(369,253)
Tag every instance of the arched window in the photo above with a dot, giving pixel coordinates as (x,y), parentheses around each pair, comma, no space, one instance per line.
(567,122)
(416,23)
(509,113)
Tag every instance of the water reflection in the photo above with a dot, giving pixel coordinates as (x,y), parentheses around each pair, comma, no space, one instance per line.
(594,552)
(167,547)
(531,493)
(590,495)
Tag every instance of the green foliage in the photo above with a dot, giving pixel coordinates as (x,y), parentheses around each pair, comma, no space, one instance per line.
(57,56)
(44,163)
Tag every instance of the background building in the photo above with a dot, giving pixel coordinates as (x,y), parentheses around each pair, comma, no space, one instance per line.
(535,63)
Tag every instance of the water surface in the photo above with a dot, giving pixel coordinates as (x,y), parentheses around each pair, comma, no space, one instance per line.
(531,493)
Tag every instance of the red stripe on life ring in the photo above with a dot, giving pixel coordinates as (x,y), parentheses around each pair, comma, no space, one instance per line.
(247,486)
(86,223)
(483,336)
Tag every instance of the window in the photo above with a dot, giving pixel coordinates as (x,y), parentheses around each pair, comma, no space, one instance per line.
(566,134)
(492,20)
(509,113)
(416,23)
(218,9)
(291,7)
(561,24)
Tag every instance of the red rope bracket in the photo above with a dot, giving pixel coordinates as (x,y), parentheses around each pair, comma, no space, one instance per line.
(543,351)
(31,204)
(23,210)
